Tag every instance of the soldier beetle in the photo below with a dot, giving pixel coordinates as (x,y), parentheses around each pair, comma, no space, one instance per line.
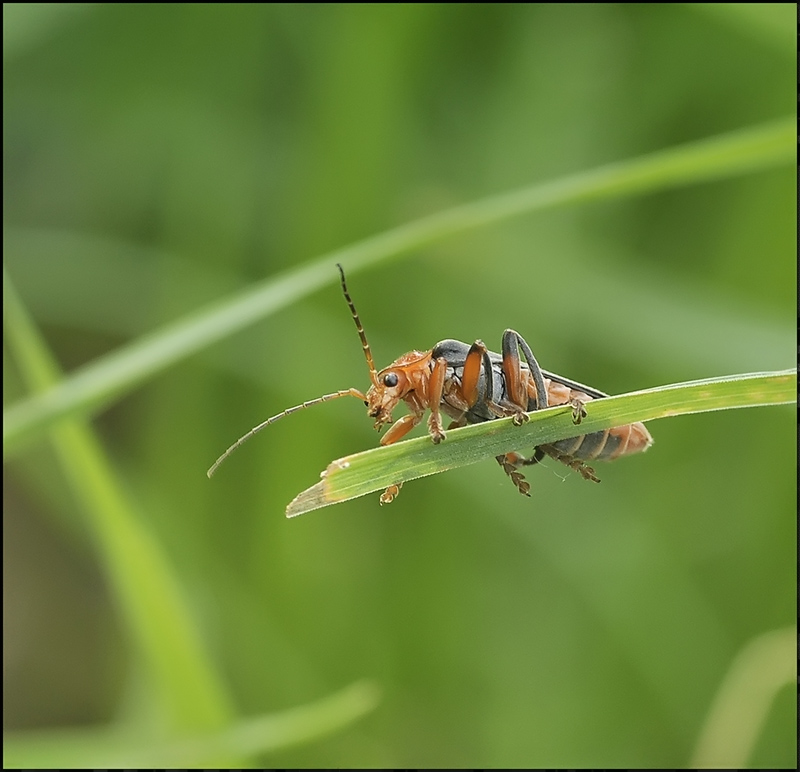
(471,384)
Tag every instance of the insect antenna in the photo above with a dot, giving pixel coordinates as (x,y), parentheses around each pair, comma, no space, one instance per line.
(359,327)
(289,411)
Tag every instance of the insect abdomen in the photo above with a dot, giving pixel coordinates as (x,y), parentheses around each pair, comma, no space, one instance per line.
(607,445)
(603,446)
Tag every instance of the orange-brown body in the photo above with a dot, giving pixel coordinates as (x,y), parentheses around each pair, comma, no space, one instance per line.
(471,385)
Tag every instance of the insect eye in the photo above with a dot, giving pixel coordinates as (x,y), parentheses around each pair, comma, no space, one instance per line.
(390,379)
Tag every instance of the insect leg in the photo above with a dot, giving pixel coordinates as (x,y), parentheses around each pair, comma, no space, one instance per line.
(435,390)
(579,466)
(408,422)
(516,400)
(511,340)
(517,384)
(390,494)
(578,410)
(509,462)
(477,357)
(401,428)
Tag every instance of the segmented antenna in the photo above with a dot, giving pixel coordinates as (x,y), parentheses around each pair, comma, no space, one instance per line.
(289,411)
(361,333)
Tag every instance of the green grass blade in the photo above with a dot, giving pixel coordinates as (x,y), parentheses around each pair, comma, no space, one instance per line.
(100,382)
(91,749)
(764,666)
(148,594)
(375,469)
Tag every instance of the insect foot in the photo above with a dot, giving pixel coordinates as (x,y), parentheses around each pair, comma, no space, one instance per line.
(578,410)
(435,429)
(390,494)
(523,486)
(520,418)
(508,462)
(584,470)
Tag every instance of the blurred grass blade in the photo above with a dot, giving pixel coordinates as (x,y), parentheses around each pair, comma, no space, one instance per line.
(761,669)
(773,24)
(100,382)
(149,597)
(375,469)
(81,749)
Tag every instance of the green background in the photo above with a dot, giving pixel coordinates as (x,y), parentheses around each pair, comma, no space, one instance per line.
(158,158)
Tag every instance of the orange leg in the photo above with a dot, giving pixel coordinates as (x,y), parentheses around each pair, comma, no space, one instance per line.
(435,389)
(401,428)
(516,402)
(477,356)
(515,384)
(512,371)
(465,395)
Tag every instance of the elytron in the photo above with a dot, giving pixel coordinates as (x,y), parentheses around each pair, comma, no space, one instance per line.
(471,384)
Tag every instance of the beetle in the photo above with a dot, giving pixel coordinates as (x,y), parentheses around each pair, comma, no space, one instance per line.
(471,385)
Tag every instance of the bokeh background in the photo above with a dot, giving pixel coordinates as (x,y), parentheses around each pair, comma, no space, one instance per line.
(159,157)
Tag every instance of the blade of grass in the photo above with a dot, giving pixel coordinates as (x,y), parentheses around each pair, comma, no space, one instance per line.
(737,716)
(375,469)
(772,24)
(82,749)
(100,382)
(148,594)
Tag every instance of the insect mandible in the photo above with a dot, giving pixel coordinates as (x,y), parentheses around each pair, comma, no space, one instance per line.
(471,384)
